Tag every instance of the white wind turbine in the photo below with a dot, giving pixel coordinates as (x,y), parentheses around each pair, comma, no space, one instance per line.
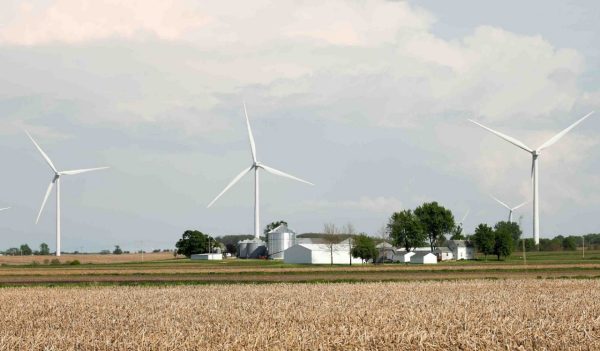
(256,166)
(535,153)
(510,209)
(56,180)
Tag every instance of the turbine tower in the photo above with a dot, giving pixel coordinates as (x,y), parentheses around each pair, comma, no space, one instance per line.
(56,180)
(510,209)
(535,153)
(256,167)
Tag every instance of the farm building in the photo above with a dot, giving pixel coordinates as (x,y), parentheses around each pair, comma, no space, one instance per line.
(405,256)
(462,249)
(208,256)
(279,240)
(320,254)
(387,253)
(423,257)
(444,254)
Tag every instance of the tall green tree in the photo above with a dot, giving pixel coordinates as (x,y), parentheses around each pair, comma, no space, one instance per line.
(364,247)
(570,243)
(484,239)
(25,250)
(193,242)
(511,228)
(436,221)
(405,230)
(117,250)
(44,249)
(457,233)
(503,244)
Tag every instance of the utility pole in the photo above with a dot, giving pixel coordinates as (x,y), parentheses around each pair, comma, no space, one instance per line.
(583,246)
(524,254)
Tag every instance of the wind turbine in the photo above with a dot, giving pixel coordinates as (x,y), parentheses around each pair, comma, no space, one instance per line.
(510,209)
(535,153)
(2,209)
(256,166)
(56,180)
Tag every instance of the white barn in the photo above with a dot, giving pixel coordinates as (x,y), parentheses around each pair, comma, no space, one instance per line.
(423,257)
(306,253)
(461,249)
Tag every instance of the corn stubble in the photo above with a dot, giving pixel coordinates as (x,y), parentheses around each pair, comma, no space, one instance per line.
(462,315)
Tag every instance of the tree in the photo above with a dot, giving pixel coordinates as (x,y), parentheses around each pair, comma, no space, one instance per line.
(364,247)
(503,244)
(273,225)
(25,250)
(117,250)
(436,221)
(331,237)
(457,233)
(484,239)
(193,242)
(570,243)
(511,228)
(405,230)
(44,249)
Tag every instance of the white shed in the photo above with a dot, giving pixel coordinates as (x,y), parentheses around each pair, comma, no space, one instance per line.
(208,256)
(320,254)
(405,257)
(423,257)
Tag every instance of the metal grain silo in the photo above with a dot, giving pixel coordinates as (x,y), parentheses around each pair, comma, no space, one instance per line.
(279,240)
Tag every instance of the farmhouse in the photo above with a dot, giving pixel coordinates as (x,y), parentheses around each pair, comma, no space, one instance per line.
(462,249)
(320,254)
(444,253)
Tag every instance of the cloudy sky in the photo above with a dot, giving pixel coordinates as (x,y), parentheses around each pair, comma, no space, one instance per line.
(367,99)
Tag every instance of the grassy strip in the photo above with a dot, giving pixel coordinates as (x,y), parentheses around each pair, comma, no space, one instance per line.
(237,282)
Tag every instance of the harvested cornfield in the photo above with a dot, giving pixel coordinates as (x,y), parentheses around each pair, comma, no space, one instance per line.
(461,315)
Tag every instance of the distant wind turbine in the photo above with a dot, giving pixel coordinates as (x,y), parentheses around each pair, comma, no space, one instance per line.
(510,209)
(256,166)
(56,180)
(535,153)
(464,218)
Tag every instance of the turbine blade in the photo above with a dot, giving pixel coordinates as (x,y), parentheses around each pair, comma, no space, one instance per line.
(252,145)
(520,205)
(44,202)
(500,202)
(557,137)
(280,173)
(465,217)
(5,208)
(79,171)
(532,168)
(42,152)
(510,139)
(235,180)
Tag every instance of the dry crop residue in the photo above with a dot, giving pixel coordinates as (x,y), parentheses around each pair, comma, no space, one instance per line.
(462,315)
